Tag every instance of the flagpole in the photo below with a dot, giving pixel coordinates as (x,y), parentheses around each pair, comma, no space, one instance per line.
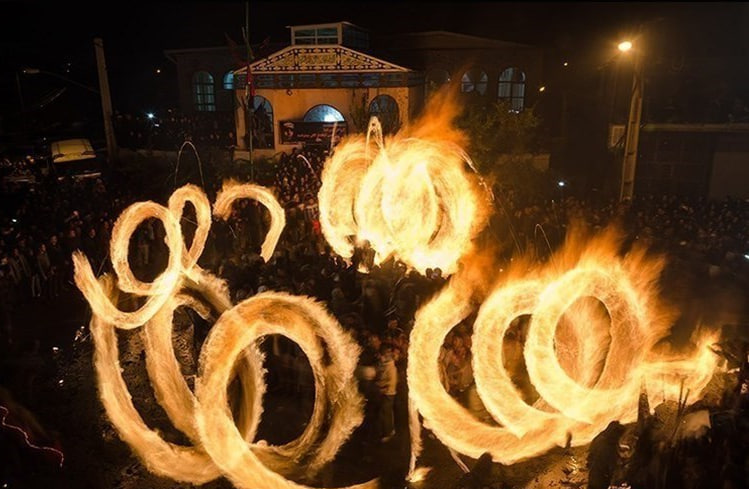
(250,103)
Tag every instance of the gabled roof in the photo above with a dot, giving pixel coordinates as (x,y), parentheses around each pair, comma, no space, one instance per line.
(321,59)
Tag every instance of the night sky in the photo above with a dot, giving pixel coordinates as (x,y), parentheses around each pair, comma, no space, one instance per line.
(49,36)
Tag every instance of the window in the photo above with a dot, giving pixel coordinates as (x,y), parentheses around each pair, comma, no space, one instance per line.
(371,80)
(323,113)
(436,78)
(262,123)
(327,35)
(304,36)
(394,79)
(229,81)
(263,81)
(286,81)
(349,80)
(355,38)
(512,88)
(307,80)
(385,108)
(202,91)
(474,81)
(329,81)
(318,35)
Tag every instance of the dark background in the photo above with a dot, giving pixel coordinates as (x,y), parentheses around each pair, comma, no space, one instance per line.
(58,36)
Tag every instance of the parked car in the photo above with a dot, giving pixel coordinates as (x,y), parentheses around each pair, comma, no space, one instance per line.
(75,158)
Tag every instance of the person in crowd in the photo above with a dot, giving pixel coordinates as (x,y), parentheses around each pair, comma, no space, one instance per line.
(387,381)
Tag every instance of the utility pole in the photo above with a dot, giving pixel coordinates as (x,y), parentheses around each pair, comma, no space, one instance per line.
(632,138)
(20,93)
(20,99)
(106,100)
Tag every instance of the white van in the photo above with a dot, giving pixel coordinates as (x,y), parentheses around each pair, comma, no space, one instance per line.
(75,158)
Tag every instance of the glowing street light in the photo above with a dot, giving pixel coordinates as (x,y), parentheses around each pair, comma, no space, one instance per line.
(561,183)
(542,88)
(150,115)
(632,134)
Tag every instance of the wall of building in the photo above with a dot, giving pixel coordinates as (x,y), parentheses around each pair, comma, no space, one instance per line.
(293,104)
(217,62)
(694,159)
(730,172)
(457,54)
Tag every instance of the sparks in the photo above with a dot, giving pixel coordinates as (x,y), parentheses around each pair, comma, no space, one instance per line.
(5,413)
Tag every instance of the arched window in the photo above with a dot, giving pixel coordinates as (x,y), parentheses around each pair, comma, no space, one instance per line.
(262,126)
(323,113)
(474,80)
(436,78)
(512,88)
(203,95)
(229,80)
(385,108)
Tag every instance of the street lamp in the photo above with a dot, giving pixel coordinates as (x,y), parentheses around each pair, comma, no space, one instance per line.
(632,135)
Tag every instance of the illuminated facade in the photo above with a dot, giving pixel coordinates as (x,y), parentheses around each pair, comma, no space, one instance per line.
(333,73)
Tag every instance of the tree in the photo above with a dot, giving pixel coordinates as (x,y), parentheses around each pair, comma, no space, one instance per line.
(496,130)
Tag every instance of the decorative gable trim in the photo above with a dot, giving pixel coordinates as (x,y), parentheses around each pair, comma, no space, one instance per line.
(321,59)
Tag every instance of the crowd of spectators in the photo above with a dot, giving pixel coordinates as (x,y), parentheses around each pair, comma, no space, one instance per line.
(168,131)
(710,232)
(42,226)
(27,168)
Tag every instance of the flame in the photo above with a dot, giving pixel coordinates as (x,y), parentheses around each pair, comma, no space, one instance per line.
(232,191)
(410,195)
(229,351)
(578,397)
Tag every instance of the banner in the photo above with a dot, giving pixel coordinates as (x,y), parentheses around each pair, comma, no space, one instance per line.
(293,132)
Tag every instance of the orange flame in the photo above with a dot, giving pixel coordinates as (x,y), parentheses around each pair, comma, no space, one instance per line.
(411,196)
(578,397)
(230,350)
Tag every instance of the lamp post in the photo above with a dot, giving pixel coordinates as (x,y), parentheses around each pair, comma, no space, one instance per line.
(106,100)
(632,135)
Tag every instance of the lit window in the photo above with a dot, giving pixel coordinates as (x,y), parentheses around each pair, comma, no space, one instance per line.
(385,108)
(323,113)
(512,88)
(474,80)
(229,81)
(203,92)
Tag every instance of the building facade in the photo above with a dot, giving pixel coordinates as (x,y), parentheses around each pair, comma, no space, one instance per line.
(694,160)
(319,85)
(333,76)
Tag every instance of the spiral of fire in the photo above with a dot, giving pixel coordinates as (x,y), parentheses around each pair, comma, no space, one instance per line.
(221,446)
(411,198)
(582,385)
